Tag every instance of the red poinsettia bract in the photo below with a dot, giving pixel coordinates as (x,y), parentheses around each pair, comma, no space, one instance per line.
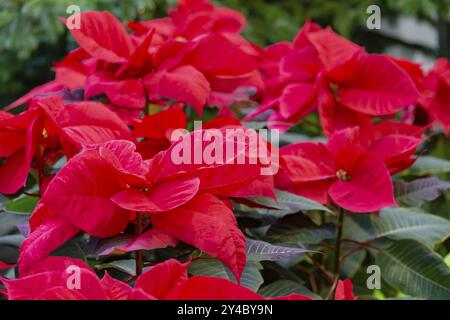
(50,128)
(436,94)
(101,190)
(192,66)
(353,168)
(55,279)
(322,71)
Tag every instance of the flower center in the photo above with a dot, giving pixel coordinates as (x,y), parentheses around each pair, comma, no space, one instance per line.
(342,175)
(180,39)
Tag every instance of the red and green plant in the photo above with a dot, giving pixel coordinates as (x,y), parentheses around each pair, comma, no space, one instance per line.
(90,157)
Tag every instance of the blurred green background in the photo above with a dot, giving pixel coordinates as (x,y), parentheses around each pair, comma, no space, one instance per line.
(32,38)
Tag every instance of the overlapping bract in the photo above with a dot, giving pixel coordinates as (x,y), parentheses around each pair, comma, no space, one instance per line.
(322,71)
(101,189)
(121,169)
(48,129)
(52,279)
(194,56)
(353,169)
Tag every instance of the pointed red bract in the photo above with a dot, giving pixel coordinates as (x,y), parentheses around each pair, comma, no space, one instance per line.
(184,83)
(436,96)
(49,126)
(344,290)
(163,197)
(214,231)
(378,87)
(207,288)
(18,135)
(81,192)
(43,241)
(354,178)
(103,37)
(151,239)
(50,280)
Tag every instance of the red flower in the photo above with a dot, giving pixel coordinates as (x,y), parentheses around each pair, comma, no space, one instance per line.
(191,19)
(53,279)
(157,129)
(393,142)
(46,128)
(341,170)
(100,189)
(344,290)
(325,71)
(436,93)
(169,281)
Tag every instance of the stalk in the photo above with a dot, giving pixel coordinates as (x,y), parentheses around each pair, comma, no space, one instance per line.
(138,254)
(337,260)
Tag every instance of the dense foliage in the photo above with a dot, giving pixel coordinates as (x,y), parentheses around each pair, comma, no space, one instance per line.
(105,176)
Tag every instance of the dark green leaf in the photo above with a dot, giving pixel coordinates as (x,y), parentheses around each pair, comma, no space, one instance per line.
(251,277)
(415,270)
(404,223)
(415,193)
(263,251)
(286,287)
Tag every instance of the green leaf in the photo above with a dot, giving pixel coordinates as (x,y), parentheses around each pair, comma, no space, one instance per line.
(447,260)
(300,231)
(286,287)
(358,227)
(404,223)
(429,165)
(264,251)
(289,203)
(70,249)
(256,125)
(22,204)
(351,264)
(415,270)
(305,235)
(416,192)
(13,240)
(264,217)
(251,277)
(128,266)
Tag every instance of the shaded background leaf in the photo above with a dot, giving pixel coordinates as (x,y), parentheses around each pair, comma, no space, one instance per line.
(404,223)
(416,192)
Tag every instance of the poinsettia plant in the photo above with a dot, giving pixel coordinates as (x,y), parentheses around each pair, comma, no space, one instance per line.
(173,159)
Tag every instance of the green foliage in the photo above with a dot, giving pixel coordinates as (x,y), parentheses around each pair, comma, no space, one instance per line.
(251,277)
(23,204)
(415,270)
(286,287)
(408,244)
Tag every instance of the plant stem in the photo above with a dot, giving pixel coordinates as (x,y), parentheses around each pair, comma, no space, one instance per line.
(337,260)
(138,253)
(339,225)
(41,169)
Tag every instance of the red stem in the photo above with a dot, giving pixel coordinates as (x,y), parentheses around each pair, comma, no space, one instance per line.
(138,253)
